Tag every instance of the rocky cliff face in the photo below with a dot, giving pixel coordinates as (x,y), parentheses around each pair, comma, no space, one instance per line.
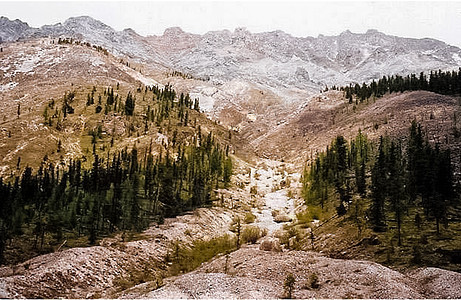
(11,31)
(278,59)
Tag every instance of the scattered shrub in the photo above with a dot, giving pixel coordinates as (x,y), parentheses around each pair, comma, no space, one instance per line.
(251,234)
(292,238)
(137,276)
(313,281)
(309,215)
(289,286)
(249,218)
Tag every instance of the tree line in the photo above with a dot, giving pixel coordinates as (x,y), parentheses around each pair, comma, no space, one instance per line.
(441,82)
(395,177)
(70,41)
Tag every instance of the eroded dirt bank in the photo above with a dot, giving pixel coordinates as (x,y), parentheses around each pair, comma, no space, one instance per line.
(96,271)
(253,273)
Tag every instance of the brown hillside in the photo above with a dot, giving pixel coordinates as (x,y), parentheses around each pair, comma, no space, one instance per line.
(328,115)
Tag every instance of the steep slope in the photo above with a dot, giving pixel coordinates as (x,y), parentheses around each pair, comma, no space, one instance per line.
(40,72)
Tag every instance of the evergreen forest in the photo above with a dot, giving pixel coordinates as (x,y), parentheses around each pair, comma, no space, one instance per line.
(384,184)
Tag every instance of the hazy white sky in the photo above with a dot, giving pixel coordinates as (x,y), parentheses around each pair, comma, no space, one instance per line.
(440,20)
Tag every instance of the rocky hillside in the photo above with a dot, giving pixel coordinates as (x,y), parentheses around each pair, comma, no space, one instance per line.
(36,73)
(324,116)
(254,273)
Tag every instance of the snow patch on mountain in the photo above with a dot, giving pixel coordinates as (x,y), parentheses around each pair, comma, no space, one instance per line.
(457,58)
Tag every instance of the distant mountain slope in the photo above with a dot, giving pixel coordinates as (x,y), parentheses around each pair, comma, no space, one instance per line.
(126,42)
(11,31)
(278,59)
(275,59)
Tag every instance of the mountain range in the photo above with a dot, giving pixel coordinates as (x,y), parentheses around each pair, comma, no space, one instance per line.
(272,59)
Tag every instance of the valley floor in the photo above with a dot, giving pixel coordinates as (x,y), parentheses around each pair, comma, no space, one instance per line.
(268,190)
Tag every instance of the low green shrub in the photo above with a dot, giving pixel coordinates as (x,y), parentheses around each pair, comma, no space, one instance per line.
(251,234)
(249,218)
(185,259)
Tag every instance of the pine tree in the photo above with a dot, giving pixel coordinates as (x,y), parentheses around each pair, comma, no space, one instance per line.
(396,185)
(129,105)
(378,189)
(227,171)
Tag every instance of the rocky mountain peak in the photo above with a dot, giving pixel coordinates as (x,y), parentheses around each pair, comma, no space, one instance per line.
(6,21)
(85,23)
(346,33)
(12,30)
(173,31)
(373,32)
(130,31)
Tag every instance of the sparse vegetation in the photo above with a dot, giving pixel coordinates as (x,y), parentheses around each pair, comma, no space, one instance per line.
(249,218)
(310,214)
(185,259)
(236,227)
(313,281)
(293,237)
(150,272)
